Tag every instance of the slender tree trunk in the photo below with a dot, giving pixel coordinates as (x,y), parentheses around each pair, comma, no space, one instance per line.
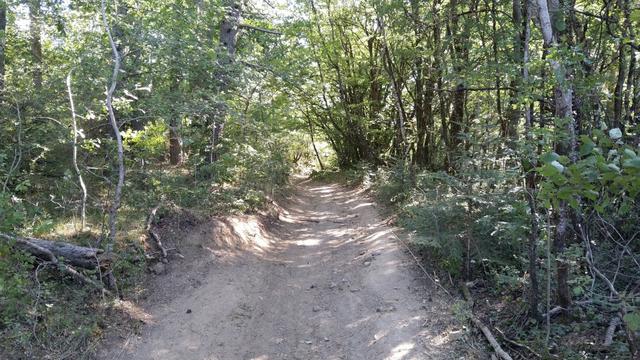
(456,121)
(401,136)
(510,123)
(228,38)
(616,122)
(175,142)
(459,54)
(17,152)
(422,155)
(3,44)
(117,196)
(443,101)
(74,124)
(494,32)
(36,42)
(632,76)
(564,112)
(419,102)
(313,143)
(530,177)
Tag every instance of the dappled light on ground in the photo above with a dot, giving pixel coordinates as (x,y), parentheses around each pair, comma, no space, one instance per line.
(401,351)
(132,310)
(325,281)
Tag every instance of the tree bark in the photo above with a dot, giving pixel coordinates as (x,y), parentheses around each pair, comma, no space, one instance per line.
(313,143)
(494,32)
(423,95)
(459,54)
(401,136)
(175,142)
(530,177)
(117,197)
(510,122)
(36,42)
(3,43)
(563,112)
(228,38)
(74,125)
(80,256)
(175,123)
(632,86)
(616,121)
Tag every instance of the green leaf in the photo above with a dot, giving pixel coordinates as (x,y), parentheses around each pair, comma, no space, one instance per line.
(632,163)
(564,194)
(613,167)
(587,147)
(632,320)
(630,153)
(591,194)
(577,291)
(549,157)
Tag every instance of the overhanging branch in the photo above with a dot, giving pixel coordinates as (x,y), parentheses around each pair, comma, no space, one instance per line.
(268,31)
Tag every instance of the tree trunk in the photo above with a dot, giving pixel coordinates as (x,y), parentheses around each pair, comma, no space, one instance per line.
(510,122)
(494,32)
(229,29)
(459,53)
(419,102)
(616,122)
(456,121)
(632,86)
(175,142)
(216,133)
(3,43)
(36,42)
(228,38)
(117,196)
(564,112)
(530,177)
(74,158)
(401,136)
(313,143)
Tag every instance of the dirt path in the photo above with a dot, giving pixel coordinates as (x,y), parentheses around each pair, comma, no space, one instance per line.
(336,285)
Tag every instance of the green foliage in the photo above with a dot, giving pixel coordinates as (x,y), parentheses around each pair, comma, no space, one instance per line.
(12,212)
(606,174)
(148,144)
(448,213)
(14,284)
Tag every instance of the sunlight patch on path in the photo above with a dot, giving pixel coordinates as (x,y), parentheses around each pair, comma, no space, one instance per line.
(399,352)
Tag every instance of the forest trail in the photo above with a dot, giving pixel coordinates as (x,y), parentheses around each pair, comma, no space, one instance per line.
(335,285)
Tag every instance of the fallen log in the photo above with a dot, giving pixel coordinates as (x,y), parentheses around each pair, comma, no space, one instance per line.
(44,250)
(79,256)
(485,330)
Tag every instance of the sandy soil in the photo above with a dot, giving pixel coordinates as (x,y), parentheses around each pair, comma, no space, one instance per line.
(328,280)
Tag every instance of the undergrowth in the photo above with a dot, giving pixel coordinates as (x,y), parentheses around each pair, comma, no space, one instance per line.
(46,314)
(474,226)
